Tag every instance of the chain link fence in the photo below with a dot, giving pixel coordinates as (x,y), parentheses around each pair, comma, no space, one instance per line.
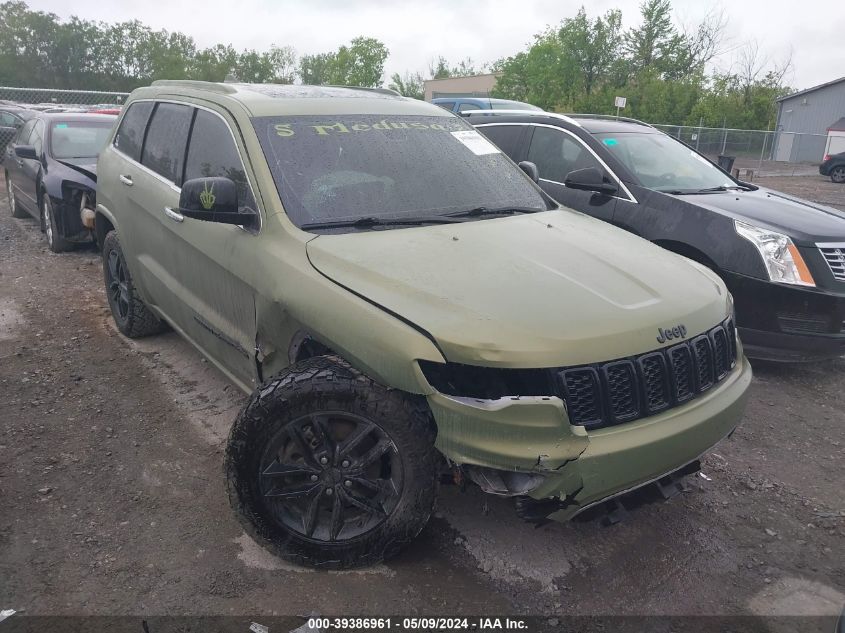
(766,153)
(17,104)
(43,98)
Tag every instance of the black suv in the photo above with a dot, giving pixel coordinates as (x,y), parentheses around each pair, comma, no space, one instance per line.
(833,166)
(783,258)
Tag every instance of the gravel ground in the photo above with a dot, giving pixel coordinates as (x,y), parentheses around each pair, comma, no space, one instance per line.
(815,187)
(113,500)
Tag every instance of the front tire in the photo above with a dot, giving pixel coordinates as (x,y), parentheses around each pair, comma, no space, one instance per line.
(327,468)
(131,315)
(837,174)
(55,241)
(17,212)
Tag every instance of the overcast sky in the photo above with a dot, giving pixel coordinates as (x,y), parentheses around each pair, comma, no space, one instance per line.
(485,30)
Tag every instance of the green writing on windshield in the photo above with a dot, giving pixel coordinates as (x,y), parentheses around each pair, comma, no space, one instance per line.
(331,129)
(610,141)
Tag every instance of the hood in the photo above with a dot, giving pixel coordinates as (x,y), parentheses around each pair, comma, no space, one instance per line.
(541,290)
(85,166)
(805,222)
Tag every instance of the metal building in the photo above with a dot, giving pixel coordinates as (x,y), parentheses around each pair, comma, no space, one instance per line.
(803,120)
(470,86)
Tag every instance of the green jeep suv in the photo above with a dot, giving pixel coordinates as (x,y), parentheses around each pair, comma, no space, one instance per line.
(403,303)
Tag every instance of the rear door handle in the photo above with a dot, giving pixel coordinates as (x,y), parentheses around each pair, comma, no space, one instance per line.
(173,215)
(126,180)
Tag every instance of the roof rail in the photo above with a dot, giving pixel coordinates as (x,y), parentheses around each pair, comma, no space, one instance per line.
(198,85)
(554,115)
(610,117)
(383,91)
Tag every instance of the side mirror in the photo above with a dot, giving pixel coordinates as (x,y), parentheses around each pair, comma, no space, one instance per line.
(531,169)
(590,179)
(213,200)
(25,151)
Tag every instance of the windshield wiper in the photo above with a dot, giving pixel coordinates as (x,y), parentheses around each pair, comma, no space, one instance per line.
(692,192)
(366,222)
(721,188)
(479,211)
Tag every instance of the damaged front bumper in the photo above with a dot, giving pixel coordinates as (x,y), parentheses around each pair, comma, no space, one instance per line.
(532,436)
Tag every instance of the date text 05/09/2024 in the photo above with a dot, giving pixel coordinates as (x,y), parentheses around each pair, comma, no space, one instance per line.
(419,624)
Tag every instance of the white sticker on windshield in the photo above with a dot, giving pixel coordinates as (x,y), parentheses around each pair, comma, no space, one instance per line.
(476,143)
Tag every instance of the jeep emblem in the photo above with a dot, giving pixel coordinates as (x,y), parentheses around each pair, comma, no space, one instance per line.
(679,331)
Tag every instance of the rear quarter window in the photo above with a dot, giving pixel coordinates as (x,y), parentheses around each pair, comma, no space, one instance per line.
(130,134)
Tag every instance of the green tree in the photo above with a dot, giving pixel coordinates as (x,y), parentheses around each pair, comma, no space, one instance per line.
(564,64)
(283,59)
(315,70)
(39,50)
(214,63)
(408,85)
(359,64)
(655,45)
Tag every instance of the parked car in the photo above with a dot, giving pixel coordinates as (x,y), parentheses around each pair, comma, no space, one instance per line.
(467,104)
(393,293)
(781,257)
(51,171)
(12,119)
(833,165)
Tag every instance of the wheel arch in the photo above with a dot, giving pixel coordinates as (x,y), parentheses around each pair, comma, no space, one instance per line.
(103,223)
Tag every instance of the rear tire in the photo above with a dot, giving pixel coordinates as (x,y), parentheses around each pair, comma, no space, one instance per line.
(55,241)
(302,487)
(17,212)
(131,315)
(837,174)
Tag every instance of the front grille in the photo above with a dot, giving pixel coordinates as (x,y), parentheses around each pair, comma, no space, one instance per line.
(834,255)
(624,390)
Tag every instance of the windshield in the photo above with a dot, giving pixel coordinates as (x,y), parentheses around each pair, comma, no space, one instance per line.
(79,139)
(661,163)
(340,168)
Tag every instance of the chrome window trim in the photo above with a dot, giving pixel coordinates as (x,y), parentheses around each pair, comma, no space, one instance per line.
(630,196)
(172,184)
(553,115)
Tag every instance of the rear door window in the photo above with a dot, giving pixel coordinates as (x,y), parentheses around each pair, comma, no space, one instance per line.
(447,105)
(130,134)
(212,152)
(167,137)
(505,136)
(466,107)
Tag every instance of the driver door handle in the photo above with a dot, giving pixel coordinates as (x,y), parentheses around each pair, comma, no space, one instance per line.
(126,180)
(173,215)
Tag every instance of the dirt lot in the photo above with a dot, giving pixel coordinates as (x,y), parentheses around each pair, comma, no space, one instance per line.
(113,503)
(816,188)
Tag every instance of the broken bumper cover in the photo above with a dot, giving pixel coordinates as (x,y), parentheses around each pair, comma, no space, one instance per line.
(533,435)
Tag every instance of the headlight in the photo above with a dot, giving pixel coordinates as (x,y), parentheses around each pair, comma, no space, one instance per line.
(782,260)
